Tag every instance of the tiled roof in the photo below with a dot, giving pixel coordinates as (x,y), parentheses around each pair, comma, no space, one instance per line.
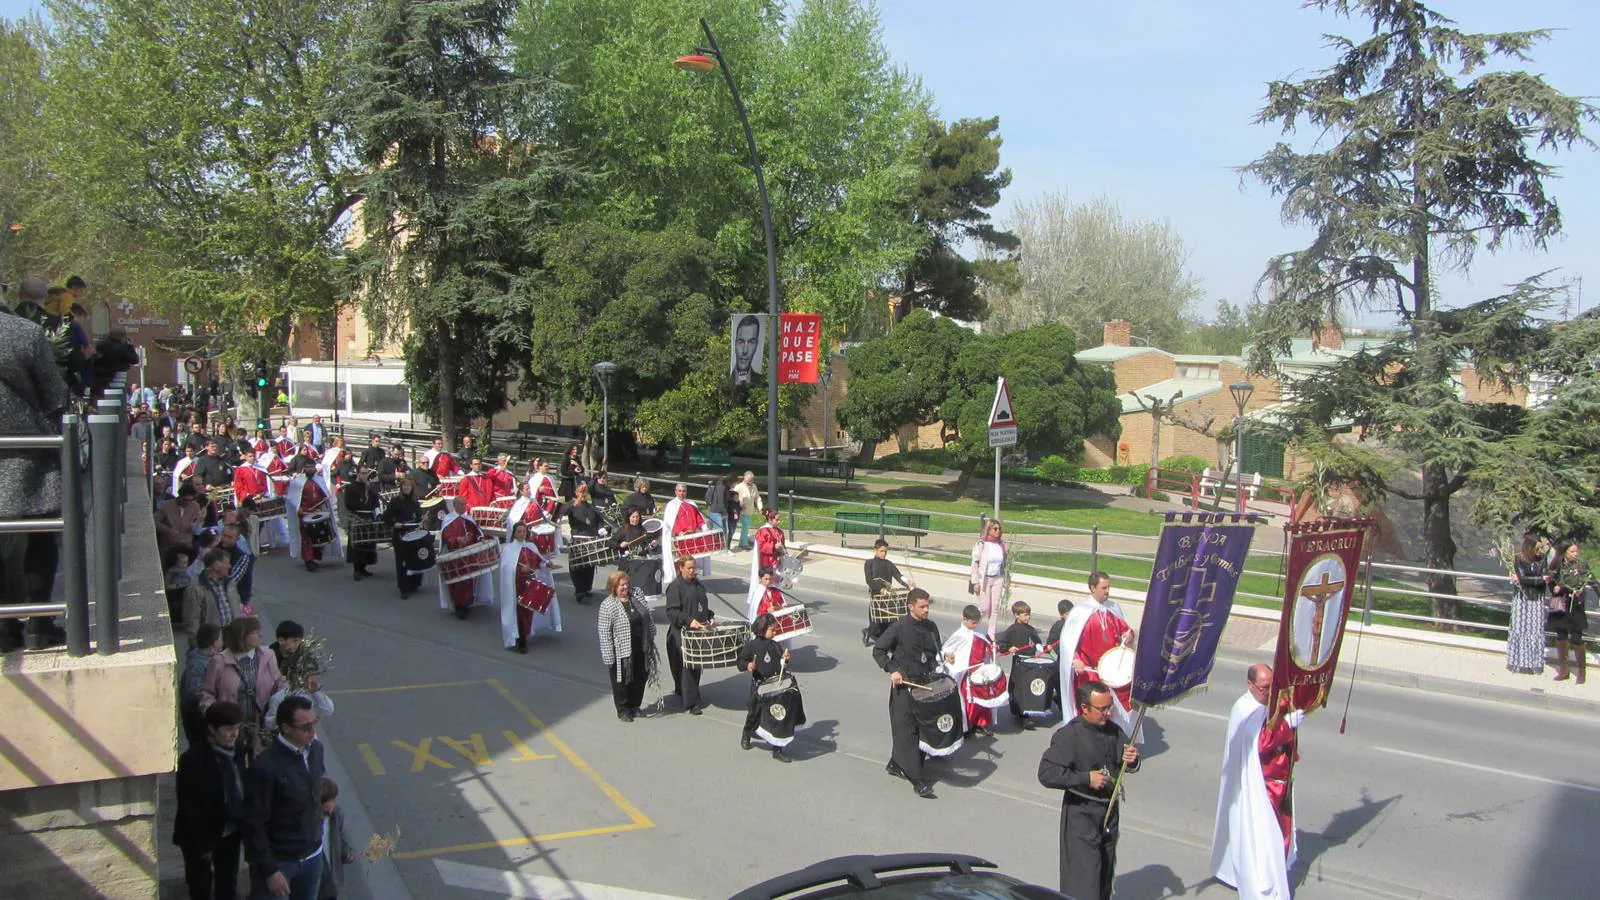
(1165,391)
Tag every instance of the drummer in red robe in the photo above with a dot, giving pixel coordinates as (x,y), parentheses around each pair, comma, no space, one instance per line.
(1279,748)
(442,462)
(769,543)
(964,651)
(503,479)
(249,480)
(1092,628)
(278,473)
(681,517)
(476,487)
(544,489)
(313,499)
(285,444)
(262,443)
(764,596)
(460,531)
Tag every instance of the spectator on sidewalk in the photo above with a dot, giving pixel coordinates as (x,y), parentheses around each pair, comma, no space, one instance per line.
(210,599)
(749,496)
(211,808)
(1525,640)
(196,661)
(335,843)
(283,808)
(32,396)
(177,518)
(246,674)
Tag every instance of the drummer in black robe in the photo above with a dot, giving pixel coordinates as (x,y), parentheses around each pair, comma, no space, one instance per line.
(404,514)
(881,576)
(601,493)
(372,457)
(687,609)
(585,521)
(1019,641)
(361,502)
(1082,762)
(763,658)
(392,468)
(909,650)
(640,499)
(641,554)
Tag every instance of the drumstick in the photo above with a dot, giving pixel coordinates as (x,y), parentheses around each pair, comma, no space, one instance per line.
(906,683)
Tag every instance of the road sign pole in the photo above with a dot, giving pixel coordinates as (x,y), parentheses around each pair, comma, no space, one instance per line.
(997,482)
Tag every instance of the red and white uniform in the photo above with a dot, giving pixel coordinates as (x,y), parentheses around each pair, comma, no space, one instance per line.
(444,465)
(505,483)
(477,489)
(310,452)
(285,444)
(1093,628)
(277,473)
(769,547)
(762,600)
(460,531)
(1279,748)
(528,602)
(250,481)
(681,517)
(1253,844)
(543,491)
(261,446)
(971,649)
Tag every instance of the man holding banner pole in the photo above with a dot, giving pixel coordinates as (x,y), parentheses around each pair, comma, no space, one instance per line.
(1253,842)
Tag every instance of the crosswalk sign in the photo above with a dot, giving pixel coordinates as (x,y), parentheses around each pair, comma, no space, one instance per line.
(1002,421)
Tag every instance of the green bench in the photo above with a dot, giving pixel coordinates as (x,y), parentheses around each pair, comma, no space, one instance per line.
(889,523)
(805,467)
(710,457)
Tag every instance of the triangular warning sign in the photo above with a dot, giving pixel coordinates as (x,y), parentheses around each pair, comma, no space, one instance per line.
(1000,415)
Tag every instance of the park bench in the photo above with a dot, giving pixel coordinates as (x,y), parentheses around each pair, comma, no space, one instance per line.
(1212,480)
(710,457)
(805,467)
(887,523)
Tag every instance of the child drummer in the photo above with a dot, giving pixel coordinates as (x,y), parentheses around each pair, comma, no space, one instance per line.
(763,658)
(1020,640)
(881,576)
(764,597)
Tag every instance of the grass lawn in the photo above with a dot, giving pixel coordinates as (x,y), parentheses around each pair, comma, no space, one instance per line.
(1064,512)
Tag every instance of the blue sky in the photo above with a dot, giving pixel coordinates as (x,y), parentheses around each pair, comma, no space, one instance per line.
(1150,103)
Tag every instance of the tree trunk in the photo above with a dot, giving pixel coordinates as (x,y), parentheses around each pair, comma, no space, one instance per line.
(683,460)
(1440,545)
(447,384)
(964,480)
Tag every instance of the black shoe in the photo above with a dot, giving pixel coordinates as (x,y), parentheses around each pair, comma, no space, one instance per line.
(744,742)
(625,715)
(982,732)
(522,645)
(1027,724)
(311,565)
(11,635)
(894,770)
(356,575)
(780,756)
(866,637)
(925,791)
(696,710)
(461,613)
(405,595)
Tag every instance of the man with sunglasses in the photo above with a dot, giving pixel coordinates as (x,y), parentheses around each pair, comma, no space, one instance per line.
(1082,762)
(283,808)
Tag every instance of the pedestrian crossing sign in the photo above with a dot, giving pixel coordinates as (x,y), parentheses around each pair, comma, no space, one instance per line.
(1002,421)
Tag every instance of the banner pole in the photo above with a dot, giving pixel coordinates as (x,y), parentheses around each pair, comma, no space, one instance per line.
(1122,770)
(997,482)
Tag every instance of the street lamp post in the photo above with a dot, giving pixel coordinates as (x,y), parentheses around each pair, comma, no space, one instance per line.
(704,59)
(602,373)
(1241,391)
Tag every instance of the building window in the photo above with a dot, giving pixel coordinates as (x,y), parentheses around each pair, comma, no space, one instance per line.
(393,399)
(318,395)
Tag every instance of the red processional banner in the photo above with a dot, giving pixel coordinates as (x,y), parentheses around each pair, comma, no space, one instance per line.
(1324,559)
(799,347)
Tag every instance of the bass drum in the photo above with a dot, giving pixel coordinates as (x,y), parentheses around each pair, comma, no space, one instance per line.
(416,551)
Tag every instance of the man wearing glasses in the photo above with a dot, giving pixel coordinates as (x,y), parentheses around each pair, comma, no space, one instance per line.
(283,808)
(1082,762)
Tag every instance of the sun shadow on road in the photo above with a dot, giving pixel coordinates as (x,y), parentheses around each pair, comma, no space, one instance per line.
(1344,825)
(1150,881)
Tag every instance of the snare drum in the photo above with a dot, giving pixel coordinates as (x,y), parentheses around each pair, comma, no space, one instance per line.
(223,498)
(544,537)
(940,721)
(280,484)
(490,518)
(592,551)
(416,551)
(716,647)
(698,544)
(888,605)
(316,529)
(789,571)
(1116,667)
(469,562)
(374,533)
(1033,682)
(536,596)
(450,486)
(778,699)
(793,621)
(987,685)
(271,507)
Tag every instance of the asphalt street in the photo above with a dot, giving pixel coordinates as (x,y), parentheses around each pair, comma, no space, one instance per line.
(510,775)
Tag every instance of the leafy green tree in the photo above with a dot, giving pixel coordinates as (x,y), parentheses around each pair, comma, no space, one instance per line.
(23,192)
(702,407)
(194,161)
(960,182)
(460,183)
(901,378)
(1058,402)
(1083,264)
(1234,328)
(1425,154)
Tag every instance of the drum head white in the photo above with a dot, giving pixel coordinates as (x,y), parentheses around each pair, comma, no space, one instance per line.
(415,535)
(1116,667)
(986,673)
(544,528)
(652,526)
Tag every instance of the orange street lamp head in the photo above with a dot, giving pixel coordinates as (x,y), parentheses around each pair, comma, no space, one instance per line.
(695,62)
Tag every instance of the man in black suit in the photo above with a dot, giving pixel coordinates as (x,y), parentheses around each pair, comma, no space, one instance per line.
(211,808)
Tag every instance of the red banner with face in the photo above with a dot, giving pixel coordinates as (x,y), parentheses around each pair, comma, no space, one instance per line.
(799,347)
(1324,560)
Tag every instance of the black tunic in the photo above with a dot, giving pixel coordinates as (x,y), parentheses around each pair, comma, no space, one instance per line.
(585,519)
(910,647)
(1088,853)
(767,655)
(403,511)
(642,502)
(686,602)
(1019,635)
(372,458)
(881,573)
(214,470)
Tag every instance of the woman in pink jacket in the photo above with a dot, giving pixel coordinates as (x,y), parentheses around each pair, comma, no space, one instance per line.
(245,674)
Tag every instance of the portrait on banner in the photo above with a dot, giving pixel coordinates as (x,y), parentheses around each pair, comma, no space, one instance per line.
(749,337)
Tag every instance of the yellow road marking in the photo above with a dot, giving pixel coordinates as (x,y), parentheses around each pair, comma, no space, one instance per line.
(638,818)
(471,749)
(402,687)
(524,841)
(371,759)
(421,755)
(524,752)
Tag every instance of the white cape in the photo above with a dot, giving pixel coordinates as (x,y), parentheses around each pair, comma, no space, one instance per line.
(549,620)
(1247,843)
(180,471)
(482,586)
(291,500)
(1071,633)
(275,530)
(669,568)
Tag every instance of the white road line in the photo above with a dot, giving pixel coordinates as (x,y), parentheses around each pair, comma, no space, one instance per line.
(1490,769)
(507,883)
(1191,712)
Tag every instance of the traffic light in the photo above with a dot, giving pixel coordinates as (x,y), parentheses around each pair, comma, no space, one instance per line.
(263,383)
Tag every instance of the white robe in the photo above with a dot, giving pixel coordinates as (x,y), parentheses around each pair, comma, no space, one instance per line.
(1247,842)
(669,568)
(482,586)
(291,500)
(328,461)
(276,529)
(549,620)
(180,473)
(1071,633)
(520,509)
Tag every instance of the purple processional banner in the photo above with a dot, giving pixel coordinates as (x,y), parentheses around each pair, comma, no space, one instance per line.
(1197,569)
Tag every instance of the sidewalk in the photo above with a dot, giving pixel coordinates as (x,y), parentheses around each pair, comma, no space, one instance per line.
(1414,658)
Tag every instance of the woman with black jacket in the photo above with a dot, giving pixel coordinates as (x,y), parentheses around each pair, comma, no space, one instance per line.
(586,521)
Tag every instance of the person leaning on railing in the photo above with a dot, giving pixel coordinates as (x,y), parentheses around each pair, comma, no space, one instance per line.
(32,397)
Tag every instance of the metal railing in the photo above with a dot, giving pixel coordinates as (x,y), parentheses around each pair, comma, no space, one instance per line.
(106,431)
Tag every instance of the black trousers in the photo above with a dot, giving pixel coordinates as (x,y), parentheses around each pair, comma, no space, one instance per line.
(752,716)
(214,875)
(903,731)
(362,555)
(629,695)
(582,578)
(406,582)
(1088,850)
(685,679)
